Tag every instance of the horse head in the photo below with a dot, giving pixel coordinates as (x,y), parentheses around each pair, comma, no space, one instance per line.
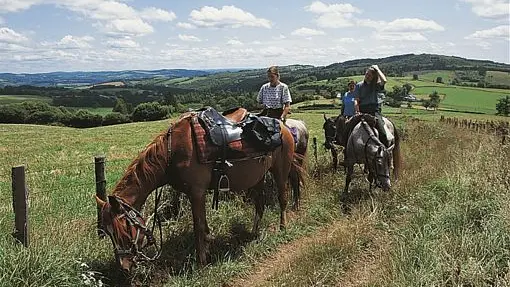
(127,229)
(380,166)
(330,132)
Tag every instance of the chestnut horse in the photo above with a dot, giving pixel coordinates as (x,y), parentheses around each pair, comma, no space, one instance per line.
(172,158)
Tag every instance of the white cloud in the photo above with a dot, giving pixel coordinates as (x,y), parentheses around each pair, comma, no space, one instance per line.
(227,16)
(71,42)
(189,38)
(400,36)
(334,15)
(234,42)
(123,43)
(347,40)
(114,16)
(502,31)
(490,8)
(9,36)
(135,27)
(273,51)
(307,32)
(186,25)
(318,7)
(16,5)
(411,24)
(156,14)
(484,45)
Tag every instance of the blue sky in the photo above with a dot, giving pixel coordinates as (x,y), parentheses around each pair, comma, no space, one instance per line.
(94,35)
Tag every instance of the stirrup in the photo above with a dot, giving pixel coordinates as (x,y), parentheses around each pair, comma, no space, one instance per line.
(224,183)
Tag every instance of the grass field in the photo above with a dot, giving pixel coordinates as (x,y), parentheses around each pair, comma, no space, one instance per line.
(497,77)
(445,223)
(9,99)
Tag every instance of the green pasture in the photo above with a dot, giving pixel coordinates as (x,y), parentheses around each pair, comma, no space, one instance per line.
(466,99)
(497,77)
(99,111)
(65,250)
(9,99)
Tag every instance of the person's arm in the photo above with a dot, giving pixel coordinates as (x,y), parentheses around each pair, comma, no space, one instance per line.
(286,99)
(286,110)
(260,98)
(357,93)
(356,106)
(382,77)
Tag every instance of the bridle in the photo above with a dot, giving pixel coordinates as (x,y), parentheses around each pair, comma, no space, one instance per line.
(381,149)
(330,139)
(134,218)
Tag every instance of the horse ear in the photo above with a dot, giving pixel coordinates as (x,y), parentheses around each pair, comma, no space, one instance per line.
(114,204)
(100,202)
(325,118)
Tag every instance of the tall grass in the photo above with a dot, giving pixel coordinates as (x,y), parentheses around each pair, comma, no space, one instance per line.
(455,230)
(445,223)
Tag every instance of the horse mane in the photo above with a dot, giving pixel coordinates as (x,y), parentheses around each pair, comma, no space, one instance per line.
(144,168)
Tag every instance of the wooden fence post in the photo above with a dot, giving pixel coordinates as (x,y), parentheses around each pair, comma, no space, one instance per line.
(99,162)
(19,204)
(315,148)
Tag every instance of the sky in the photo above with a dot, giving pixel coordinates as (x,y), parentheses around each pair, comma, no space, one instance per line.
(97,35)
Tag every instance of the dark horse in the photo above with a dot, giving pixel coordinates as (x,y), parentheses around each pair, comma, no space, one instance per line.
(172,158)
(332,138)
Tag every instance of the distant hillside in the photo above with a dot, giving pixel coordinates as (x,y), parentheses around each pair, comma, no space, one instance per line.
(250,79)
(412,62)
(92,78)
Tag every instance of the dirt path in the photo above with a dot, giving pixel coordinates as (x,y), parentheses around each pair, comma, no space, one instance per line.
(363,268)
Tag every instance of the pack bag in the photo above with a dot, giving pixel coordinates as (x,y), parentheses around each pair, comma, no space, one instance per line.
(263,132)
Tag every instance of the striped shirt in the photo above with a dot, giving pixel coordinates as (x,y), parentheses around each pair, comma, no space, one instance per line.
(274,97)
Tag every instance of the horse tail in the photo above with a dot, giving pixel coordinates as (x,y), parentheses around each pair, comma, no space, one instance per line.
(299,168)
(397,154)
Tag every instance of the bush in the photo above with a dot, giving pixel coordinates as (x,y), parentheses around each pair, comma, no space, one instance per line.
(149,112)
(44,117)
(12,114)
(115,119)
(85,119)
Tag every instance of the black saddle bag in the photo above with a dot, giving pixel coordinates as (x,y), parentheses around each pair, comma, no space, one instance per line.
(263,132)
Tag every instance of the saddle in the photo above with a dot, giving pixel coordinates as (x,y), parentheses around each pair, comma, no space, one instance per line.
(233,134)
(353,121)
(223,128)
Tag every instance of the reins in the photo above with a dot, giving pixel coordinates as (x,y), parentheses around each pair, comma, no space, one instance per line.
(134,218)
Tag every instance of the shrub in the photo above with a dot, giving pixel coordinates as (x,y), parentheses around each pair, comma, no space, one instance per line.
(115,119)
(12,114)
(85,119)
(150,112)
(44,117)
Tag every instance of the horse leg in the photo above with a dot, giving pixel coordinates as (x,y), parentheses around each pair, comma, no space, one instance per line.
(281,183)
(197,199)
(348,178)
(296,191)
(259,200)
(334,153)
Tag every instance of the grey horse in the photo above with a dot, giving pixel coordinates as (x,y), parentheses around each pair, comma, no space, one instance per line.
(364,147)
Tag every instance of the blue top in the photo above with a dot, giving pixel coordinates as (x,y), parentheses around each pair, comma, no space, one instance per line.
(348,104)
